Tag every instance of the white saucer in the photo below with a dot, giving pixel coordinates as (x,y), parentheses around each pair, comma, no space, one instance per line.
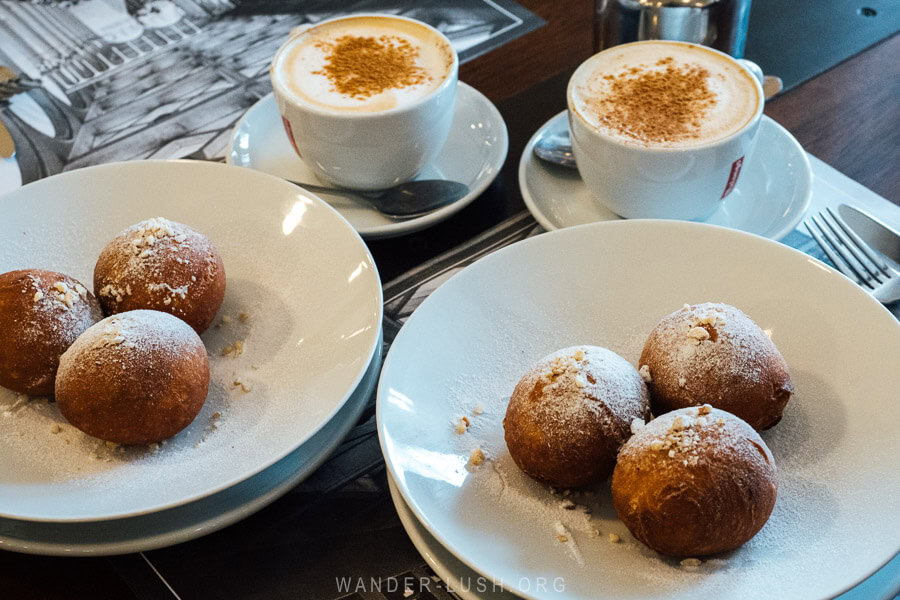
(199,518)
(473,155)
(770,198)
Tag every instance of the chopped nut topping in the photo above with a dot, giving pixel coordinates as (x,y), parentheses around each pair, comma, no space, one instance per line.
(55,428)
(656,445)
(579,354)
(244,317)
(561,538)
(61,287)
(567,504)
(691,562)
(614,539)
(645,373)
(479,409)
(462,425)
(38,295)
(234,350)
(671,454)
(681,381)
(477,458)
(704,410)
(580,381)
(698,333)
(720,422)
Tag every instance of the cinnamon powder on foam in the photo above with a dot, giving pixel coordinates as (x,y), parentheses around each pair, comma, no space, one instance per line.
(656,106)
(361,67)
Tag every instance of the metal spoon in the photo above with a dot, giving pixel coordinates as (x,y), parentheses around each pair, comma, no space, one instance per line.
(554,146)
(405,201)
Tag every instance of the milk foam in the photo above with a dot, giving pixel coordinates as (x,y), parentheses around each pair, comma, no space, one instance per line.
(297,67)
(736,96)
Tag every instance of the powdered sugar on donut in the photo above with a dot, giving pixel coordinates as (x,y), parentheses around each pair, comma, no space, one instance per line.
(144,330)
(576,377)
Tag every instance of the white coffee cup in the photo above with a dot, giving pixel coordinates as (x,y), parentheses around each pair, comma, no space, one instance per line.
(637,179)
(379,141)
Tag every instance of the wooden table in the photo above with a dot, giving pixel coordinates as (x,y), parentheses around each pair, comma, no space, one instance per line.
(848,116)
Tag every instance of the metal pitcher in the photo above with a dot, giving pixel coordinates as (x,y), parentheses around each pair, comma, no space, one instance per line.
(720,24)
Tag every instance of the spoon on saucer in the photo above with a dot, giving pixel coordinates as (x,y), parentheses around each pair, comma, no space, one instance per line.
(554,146)
(404,201)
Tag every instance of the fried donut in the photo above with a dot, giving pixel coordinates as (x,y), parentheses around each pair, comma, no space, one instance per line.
(569,415)
(161,265)
(41,314)
(133,378)
(694,482)
(715,354)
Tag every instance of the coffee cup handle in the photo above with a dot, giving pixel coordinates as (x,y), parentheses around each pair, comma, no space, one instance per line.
(754,69)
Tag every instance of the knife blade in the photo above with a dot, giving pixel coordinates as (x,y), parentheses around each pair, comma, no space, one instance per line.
(878,234)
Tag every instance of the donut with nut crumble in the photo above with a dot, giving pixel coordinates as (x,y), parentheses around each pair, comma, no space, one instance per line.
(161,265)
(694,482)
(715,354)
(571,412)
(41,314)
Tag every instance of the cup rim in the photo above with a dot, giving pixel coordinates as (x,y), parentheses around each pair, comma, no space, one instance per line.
(757,115)
(451,78)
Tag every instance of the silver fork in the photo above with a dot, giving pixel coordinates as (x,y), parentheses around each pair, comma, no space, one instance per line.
(855,258)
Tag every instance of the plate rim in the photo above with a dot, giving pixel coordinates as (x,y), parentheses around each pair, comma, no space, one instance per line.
(190,164)
(403,227)
(805,182)
(795,255)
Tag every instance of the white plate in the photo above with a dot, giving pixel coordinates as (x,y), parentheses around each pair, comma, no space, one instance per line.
(837,518)
(469,585)
(770,198)
(294,265)
(473,155)
(195,519)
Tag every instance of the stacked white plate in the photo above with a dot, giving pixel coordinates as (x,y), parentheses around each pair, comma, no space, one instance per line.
(491,531)
(311,305)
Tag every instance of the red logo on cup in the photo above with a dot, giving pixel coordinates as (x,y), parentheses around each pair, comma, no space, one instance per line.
(290,134)
(733,176)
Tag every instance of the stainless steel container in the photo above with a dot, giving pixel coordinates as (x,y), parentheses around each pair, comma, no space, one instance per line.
(720,24)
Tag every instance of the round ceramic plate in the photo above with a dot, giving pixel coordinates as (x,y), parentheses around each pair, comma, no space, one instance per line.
(195,519)
(837,518)
(303,280)
(469,585)
(770,198)
(473,155)
(199,518)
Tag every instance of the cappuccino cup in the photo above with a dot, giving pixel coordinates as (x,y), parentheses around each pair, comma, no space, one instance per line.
(663,129)
(367,101)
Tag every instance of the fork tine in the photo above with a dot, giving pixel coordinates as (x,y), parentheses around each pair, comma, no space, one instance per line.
(848,246)
(844,246)
(877,260)
(835,260)
(849,258)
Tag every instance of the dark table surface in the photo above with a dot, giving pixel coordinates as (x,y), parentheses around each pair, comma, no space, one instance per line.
(849,116)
